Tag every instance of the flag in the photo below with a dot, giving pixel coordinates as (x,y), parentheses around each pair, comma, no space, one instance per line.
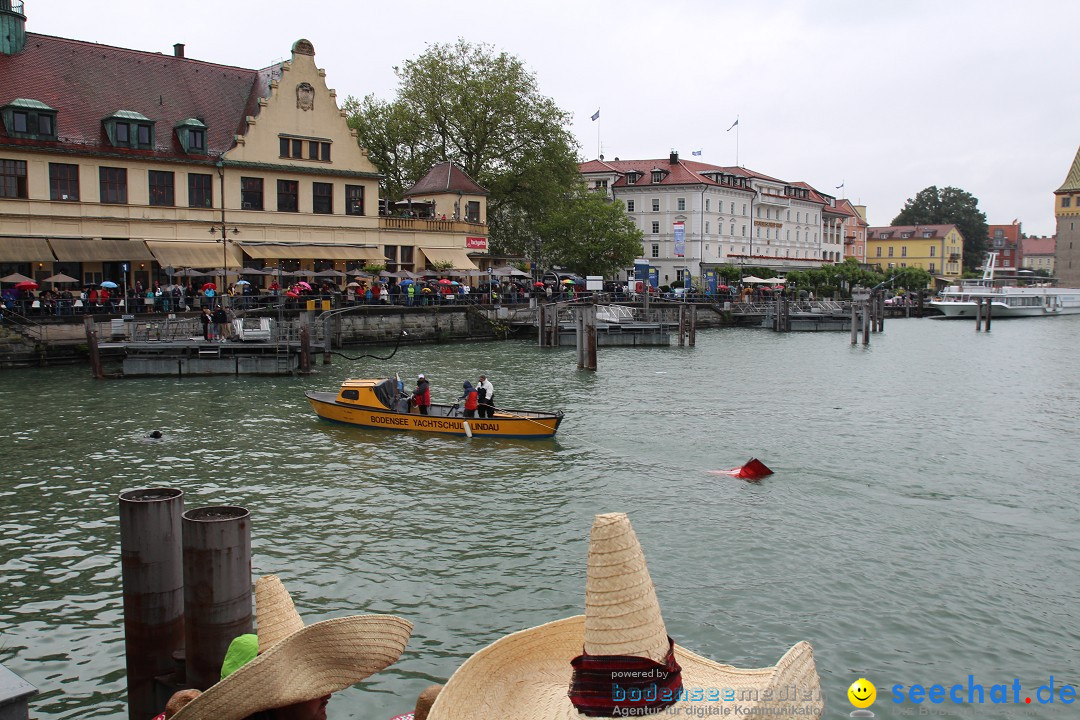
(596,115)
(840,186)
(696,152)
(733,125)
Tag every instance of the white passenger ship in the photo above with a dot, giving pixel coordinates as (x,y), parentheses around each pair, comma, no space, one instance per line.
(1035,300)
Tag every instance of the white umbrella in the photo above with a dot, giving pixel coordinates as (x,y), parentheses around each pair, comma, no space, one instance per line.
(776,281)
(755,280)
(60,278)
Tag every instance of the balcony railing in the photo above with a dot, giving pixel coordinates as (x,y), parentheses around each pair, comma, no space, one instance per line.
(426,225)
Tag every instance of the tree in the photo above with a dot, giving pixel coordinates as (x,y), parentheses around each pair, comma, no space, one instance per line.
(587,234)
(483,111)
(950,205)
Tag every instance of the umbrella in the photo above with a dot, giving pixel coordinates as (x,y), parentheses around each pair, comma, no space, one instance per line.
(206,286)
(60,278)
(353,284)
(255,271)
(754,280)
(538,284)
(330,273)
(444,281)
(15,278)
(28,285)
(304,284)
(568,281)
(188,272)
(242,282)
(776,280)
(407,281)
(109,284)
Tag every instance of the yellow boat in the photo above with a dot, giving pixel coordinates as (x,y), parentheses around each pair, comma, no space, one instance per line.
(375,403)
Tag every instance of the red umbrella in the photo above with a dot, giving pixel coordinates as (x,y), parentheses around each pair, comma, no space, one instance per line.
(209,286)
(538,284)
(444,281)
(26,285)
(304,284)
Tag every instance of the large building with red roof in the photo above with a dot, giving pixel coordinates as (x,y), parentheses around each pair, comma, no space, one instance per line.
(117,164)
(696,216)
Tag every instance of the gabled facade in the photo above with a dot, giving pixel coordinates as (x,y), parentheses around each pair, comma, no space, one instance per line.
(1005,241)
(853,231)
(697,216)
(1067,213)
(938,249)
(114,158)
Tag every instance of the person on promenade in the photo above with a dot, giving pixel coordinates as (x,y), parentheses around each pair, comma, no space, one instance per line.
(292,669)
(470,398)
(422,394)
(206,319)
(221,322)
(486,393)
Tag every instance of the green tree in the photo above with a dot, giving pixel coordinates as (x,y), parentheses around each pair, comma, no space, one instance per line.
(910,278)
(482,110)
(950,205)
(587,234)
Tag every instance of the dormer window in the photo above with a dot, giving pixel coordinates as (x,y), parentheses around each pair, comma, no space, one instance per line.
(129,129)
(658,176)
(192,136)
(30,119)
(632,177)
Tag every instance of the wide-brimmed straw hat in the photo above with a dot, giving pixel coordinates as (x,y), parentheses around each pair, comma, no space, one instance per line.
(298,662)
(619,647)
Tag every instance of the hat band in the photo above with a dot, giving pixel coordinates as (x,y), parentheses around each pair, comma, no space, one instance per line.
(609,685)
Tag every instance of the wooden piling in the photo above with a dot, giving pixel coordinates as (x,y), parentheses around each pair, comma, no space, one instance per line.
(152,580)
(866,322)
(989,312)
(978,314)
(880,300)
(579,336)
(541,325)
(305,349)
(854,323)
(96,370)
(692,339)
(682,325)
(589,326)
(217,587)
(326,341)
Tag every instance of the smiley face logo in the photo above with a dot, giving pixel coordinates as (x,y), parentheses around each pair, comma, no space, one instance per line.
(862,693)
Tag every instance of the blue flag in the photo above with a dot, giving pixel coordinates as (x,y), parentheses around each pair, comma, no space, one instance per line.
(596,115)
(733,125)
(696,152)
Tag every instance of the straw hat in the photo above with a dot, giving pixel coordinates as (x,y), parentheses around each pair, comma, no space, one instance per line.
(528,674)
(297,663)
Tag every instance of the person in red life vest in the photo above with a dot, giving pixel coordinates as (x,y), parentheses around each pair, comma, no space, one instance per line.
(470,399)
(422,394)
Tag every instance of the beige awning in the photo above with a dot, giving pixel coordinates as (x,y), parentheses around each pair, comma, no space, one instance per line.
(457,256)
(18,250)
(193,254)
(99,250)
(301,251)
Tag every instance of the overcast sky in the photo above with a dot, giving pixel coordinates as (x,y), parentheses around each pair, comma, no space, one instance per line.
(886,98)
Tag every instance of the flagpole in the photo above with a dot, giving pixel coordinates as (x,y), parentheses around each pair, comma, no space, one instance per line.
(598,148)
(736,141)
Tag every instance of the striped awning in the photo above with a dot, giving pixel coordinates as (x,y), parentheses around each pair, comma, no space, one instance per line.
(193,254)
(305,251)
(99,250)
(19,250)
(457,256)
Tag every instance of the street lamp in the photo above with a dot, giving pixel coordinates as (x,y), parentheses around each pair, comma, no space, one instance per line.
(224,252)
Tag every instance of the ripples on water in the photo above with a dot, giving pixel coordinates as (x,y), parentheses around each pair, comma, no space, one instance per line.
(921,524)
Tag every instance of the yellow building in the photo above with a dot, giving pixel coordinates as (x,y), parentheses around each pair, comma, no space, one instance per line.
(119,164)
(938,249)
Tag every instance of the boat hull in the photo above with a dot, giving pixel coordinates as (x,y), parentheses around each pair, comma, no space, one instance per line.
(442,419)
(966,309)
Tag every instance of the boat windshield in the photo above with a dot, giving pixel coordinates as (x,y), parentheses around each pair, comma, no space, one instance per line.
(386,391)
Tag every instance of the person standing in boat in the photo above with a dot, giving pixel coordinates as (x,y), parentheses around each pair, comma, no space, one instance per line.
(470,398)
(486,393)
(422,394)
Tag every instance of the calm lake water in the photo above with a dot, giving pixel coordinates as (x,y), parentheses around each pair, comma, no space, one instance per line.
(921,525)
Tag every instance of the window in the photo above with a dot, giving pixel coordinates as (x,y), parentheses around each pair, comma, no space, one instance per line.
(406,257)
(288,196)
(629,206)
(632,177)
(890,251)
(251,193)
(928,234)
(903,251)
(680,204)
(322,198)
(200,189)
(657,176)
(354,199)
(21,123)
(656,204)
(732,208)
(999,233)
(932,267)
(162,188)
(390,253)
(113,185)
(313,151)
(45,125)
(933,250)
(472,211)
(743,209)
(706,227)
(656,227)
(63,182)
(707,203)
(13,178)
(744,231)
(878,251)
(324,151)
(732,229)
(144,135)
(196,141)
(123,134)
(1066,201)
(656,250)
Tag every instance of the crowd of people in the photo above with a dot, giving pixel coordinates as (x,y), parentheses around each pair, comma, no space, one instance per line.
(478,399)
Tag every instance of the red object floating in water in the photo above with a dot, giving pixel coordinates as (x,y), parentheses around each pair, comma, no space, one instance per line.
(753,470)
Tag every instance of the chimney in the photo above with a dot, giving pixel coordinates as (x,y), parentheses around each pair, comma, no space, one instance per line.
(674,159)
(178,50)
